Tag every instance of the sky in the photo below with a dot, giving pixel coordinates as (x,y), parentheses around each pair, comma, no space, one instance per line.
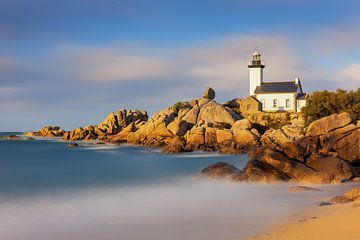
(71,62)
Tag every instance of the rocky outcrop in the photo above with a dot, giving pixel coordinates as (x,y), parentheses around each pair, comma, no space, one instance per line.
(212,112)
(277,140)
(353,194)
(199,124)
(174,145)
(326,152)
(350,196)
(47,131)
(177,127)
(258,171)
(12,137)
(209,93)
(116,126)
(328,124)
(220,170)
(254,171)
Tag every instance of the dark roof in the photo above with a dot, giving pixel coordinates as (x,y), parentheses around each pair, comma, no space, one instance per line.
(277,87)
(301,96)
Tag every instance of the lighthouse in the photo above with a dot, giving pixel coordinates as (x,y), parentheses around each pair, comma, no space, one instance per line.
(256,72)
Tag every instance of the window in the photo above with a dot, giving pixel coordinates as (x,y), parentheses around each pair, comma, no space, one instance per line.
(287,103)
(275,103)
(263,102)
(248,107)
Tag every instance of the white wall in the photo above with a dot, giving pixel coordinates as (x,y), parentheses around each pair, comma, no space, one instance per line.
(300,104)
(281,101)
(256,77)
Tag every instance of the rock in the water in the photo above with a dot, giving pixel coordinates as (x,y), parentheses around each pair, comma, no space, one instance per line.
(353,194)
(47,131)
(209,93)
(174,145)
(303,189)
(220,170)
(295,170)
(121,137)
(73,145)
(115,127)
(28,138)
(12,137)
(340,199)
(333,169)
(350,196)
(258,171)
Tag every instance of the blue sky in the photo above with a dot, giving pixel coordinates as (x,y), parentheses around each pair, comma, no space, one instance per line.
(71,62)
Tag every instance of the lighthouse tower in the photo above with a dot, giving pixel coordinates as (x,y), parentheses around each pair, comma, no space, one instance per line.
(256,72)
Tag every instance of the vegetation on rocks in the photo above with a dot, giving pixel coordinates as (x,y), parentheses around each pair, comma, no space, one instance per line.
(324,103)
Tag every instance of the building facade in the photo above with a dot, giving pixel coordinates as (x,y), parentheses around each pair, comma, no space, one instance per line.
(274,96)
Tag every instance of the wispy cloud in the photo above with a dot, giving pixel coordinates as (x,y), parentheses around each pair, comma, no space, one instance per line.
(336,39)
(9,90)
(351,76)
(224,64)
(113,66)
(221,63)
(139,76)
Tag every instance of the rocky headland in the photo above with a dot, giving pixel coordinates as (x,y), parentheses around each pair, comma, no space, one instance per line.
(280,145)
(47,131)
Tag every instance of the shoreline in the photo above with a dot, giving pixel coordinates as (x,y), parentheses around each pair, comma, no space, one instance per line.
(332,222)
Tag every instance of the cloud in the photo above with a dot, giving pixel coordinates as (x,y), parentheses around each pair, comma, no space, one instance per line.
(220,63)
(9,90)
(112,66)
(336,39)
(224,63)
(100,79)
(351,76)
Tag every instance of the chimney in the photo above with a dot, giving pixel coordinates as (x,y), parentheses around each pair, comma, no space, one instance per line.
(297,80)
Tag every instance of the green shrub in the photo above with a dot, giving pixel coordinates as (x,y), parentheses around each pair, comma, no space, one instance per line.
(324,103)
(176,108)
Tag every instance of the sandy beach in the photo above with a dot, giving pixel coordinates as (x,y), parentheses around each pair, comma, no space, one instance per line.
(333,222)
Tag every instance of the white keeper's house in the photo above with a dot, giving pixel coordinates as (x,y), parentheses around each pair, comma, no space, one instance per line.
(274,96)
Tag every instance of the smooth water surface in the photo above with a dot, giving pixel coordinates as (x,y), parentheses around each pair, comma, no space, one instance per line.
(49,191)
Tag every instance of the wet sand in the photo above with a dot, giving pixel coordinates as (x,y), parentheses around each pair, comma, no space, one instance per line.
(333,222)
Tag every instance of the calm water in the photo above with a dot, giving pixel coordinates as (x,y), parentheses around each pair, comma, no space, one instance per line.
(49,191)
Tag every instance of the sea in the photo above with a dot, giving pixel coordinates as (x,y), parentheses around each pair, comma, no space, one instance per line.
(49,191)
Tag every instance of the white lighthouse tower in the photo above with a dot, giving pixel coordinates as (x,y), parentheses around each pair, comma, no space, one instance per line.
(256,72)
